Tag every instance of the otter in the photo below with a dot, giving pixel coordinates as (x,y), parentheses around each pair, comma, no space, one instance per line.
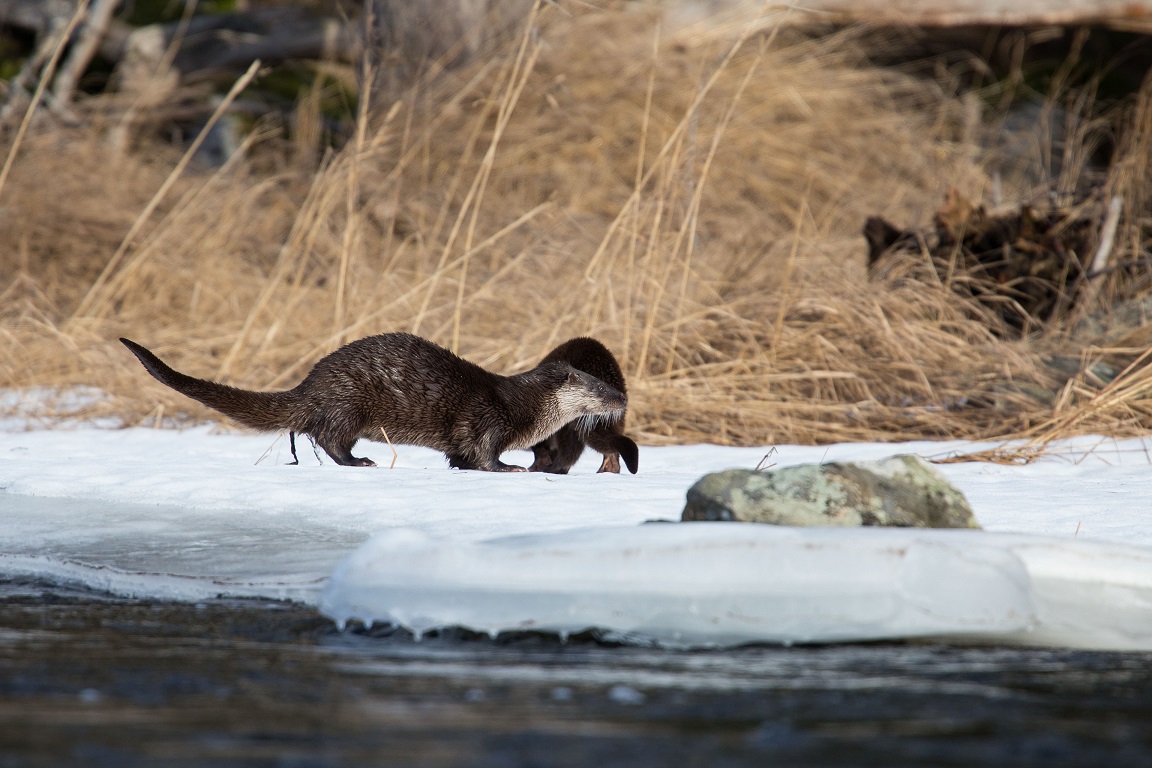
(408,390)
(561,450)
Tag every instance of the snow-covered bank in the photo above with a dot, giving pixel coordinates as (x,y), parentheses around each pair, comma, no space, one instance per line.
(192,514)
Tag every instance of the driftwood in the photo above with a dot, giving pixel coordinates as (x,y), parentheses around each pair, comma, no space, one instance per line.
(35,15)
(446,31)
(213,46)
(1130,15)
(95,29)
(52,33)
(154,65)
(1027,268)
(219,46)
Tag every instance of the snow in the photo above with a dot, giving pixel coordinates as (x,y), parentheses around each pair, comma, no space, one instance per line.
(1065,558)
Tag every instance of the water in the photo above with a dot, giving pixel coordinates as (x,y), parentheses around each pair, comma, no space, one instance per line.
(95,681)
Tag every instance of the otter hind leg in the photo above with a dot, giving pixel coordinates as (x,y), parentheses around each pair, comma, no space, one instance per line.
(611,463)
(341,453)
(459,461)
(615,448)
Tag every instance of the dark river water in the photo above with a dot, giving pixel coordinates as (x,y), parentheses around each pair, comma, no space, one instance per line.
(88,680)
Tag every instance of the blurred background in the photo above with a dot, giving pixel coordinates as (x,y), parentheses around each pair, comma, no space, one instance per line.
(847,221)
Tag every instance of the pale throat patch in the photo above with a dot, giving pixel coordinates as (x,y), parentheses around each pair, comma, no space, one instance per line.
(572,403)
(576,401)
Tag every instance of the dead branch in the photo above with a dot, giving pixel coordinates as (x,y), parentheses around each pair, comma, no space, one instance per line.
(220,45)
(94,29)
(208,47)
(1107,235)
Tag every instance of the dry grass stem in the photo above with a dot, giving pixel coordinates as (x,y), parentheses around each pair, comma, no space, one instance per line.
(41,87)
(391,447)
(91,302)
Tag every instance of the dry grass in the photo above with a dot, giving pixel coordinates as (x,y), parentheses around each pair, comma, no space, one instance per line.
(691,196)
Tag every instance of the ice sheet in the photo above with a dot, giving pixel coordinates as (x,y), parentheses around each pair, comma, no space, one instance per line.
(190,514)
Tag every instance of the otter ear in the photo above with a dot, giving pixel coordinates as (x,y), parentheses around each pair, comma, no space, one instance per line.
(573,377)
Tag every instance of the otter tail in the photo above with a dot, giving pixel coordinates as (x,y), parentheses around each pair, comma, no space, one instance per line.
(628,451)
(266,411)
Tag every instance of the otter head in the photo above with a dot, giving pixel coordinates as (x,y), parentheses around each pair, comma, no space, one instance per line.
(557,394)
(581,394)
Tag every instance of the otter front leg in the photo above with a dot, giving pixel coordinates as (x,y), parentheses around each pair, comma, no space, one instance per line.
(458,461)
(542,457)
(342,455)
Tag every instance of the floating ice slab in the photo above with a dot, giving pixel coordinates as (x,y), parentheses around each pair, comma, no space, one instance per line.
(699,584)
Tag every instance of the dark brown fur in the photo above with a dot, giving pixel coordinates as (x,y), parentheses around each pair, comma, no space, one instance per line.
(415,392)
(561,450)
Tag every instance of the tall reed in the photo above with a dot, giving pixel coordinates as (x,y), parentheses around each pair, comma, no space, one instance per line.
(691,195)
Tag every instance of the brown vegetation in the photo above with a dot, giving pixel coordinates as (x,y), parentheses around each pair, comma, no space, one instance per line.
(691,195)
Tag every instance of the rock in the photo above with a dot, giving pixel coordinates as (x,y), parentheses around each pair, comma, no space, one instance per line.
(1107,325)
(901,491)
